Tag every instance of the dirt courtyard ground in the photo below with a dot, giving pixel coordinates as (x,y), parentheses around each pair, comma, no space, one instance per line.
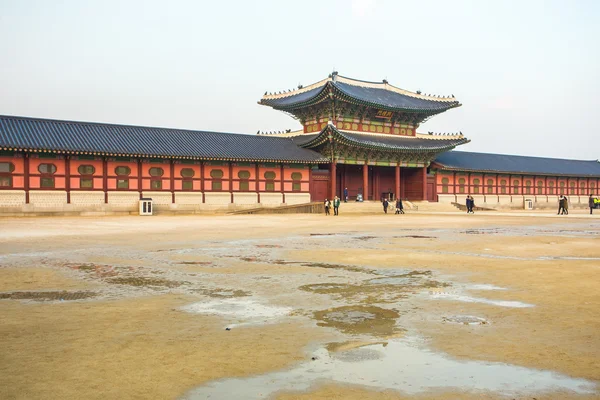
(419,306)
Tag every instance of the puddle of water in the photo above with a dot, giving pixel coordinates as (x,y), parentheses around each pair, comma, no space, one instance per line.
(239,311)
(400,365)
(469,299)
(484,286)
(465,320)
(370,320)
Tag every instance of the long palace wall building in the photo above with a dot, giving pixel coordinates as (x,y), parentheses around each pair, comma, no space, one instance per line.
(357,135)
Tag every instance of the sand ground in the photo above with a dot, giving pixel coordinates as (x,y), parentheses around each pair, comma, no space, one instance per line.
(92,307)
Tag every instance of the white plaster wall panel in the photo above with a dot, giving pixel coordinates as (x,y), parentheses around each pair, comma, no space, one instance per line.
(504,199)
(159,198)
(541,199)
(12,198)
(218,198)
(297,198)
(48,198)
(446,198)
(271,198)
(125,199)
(188,198)
(87,198)
(245,198)
(479,199)
(491,199)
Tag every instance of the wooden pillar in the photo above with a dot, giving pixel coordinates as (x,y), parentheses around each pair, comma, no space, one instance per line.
(424,174)
(105,179)
(26,176)
(310,182)
(68,177)
(257,169)
(366,181)
(397,180)
(333,177)
(172,181)
(376,189)
(202,188)
(282,181)
(140,177)
(231,182)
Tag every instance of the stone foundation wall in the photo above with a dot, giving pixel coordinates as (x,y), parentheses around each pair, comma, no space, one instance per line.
(271,199)
(84,198)
(54,202)
(245,198)
(12,198)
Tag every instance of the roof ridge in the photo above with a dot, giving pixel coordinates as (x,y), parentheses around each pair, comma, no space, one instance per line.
(518,155)
(294,92)
(387,86)
(108,124)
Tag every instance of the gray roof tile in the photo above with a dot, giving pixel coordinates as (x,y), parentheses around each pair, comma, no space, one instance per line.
(468,161)
(71,136)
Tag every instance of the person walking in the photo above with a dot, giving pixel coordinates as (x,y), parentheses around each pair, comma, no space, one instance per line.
(566,205)
(400,206)
(591,203)
(472,204)
(336,205)
(561,205)
(397,206)
(345,195)
(327,204)
(386,203)
(468,204)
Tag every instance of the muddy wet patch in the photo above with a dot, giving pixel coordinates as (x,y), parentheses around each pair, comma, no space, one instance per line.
(366,320)
(48,296)
(415,237)
(145,282)
(223,293)
(344,267)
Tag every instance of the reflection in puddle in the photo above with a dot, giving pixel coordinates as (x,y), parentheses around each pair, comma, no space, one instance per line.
(469,299)
(401,365)
(239,311)
(369,320)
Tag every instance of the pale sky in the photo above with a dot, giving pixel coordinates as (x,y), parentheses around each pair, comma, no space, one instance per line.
(526,72)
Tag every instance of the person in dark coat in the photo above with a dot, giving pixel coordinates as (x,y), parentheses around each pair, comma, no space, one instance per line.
(327,205)
(472,204)
(345,195)
(561,205)
(399,206)
(591,203)
(565,205)
(386,203)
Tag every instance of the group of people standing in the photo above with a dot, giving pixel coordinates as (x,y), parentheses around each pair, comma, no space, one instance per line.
(336,206)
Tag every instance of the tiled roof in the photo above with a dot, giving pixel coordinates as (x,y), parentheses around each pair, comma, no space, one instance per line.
(468,161)
(107,139)
(379,141)
(376,94)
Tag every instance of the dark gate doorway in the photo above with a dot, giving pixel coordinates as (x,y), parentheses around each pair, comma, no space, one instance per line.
(319,189)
